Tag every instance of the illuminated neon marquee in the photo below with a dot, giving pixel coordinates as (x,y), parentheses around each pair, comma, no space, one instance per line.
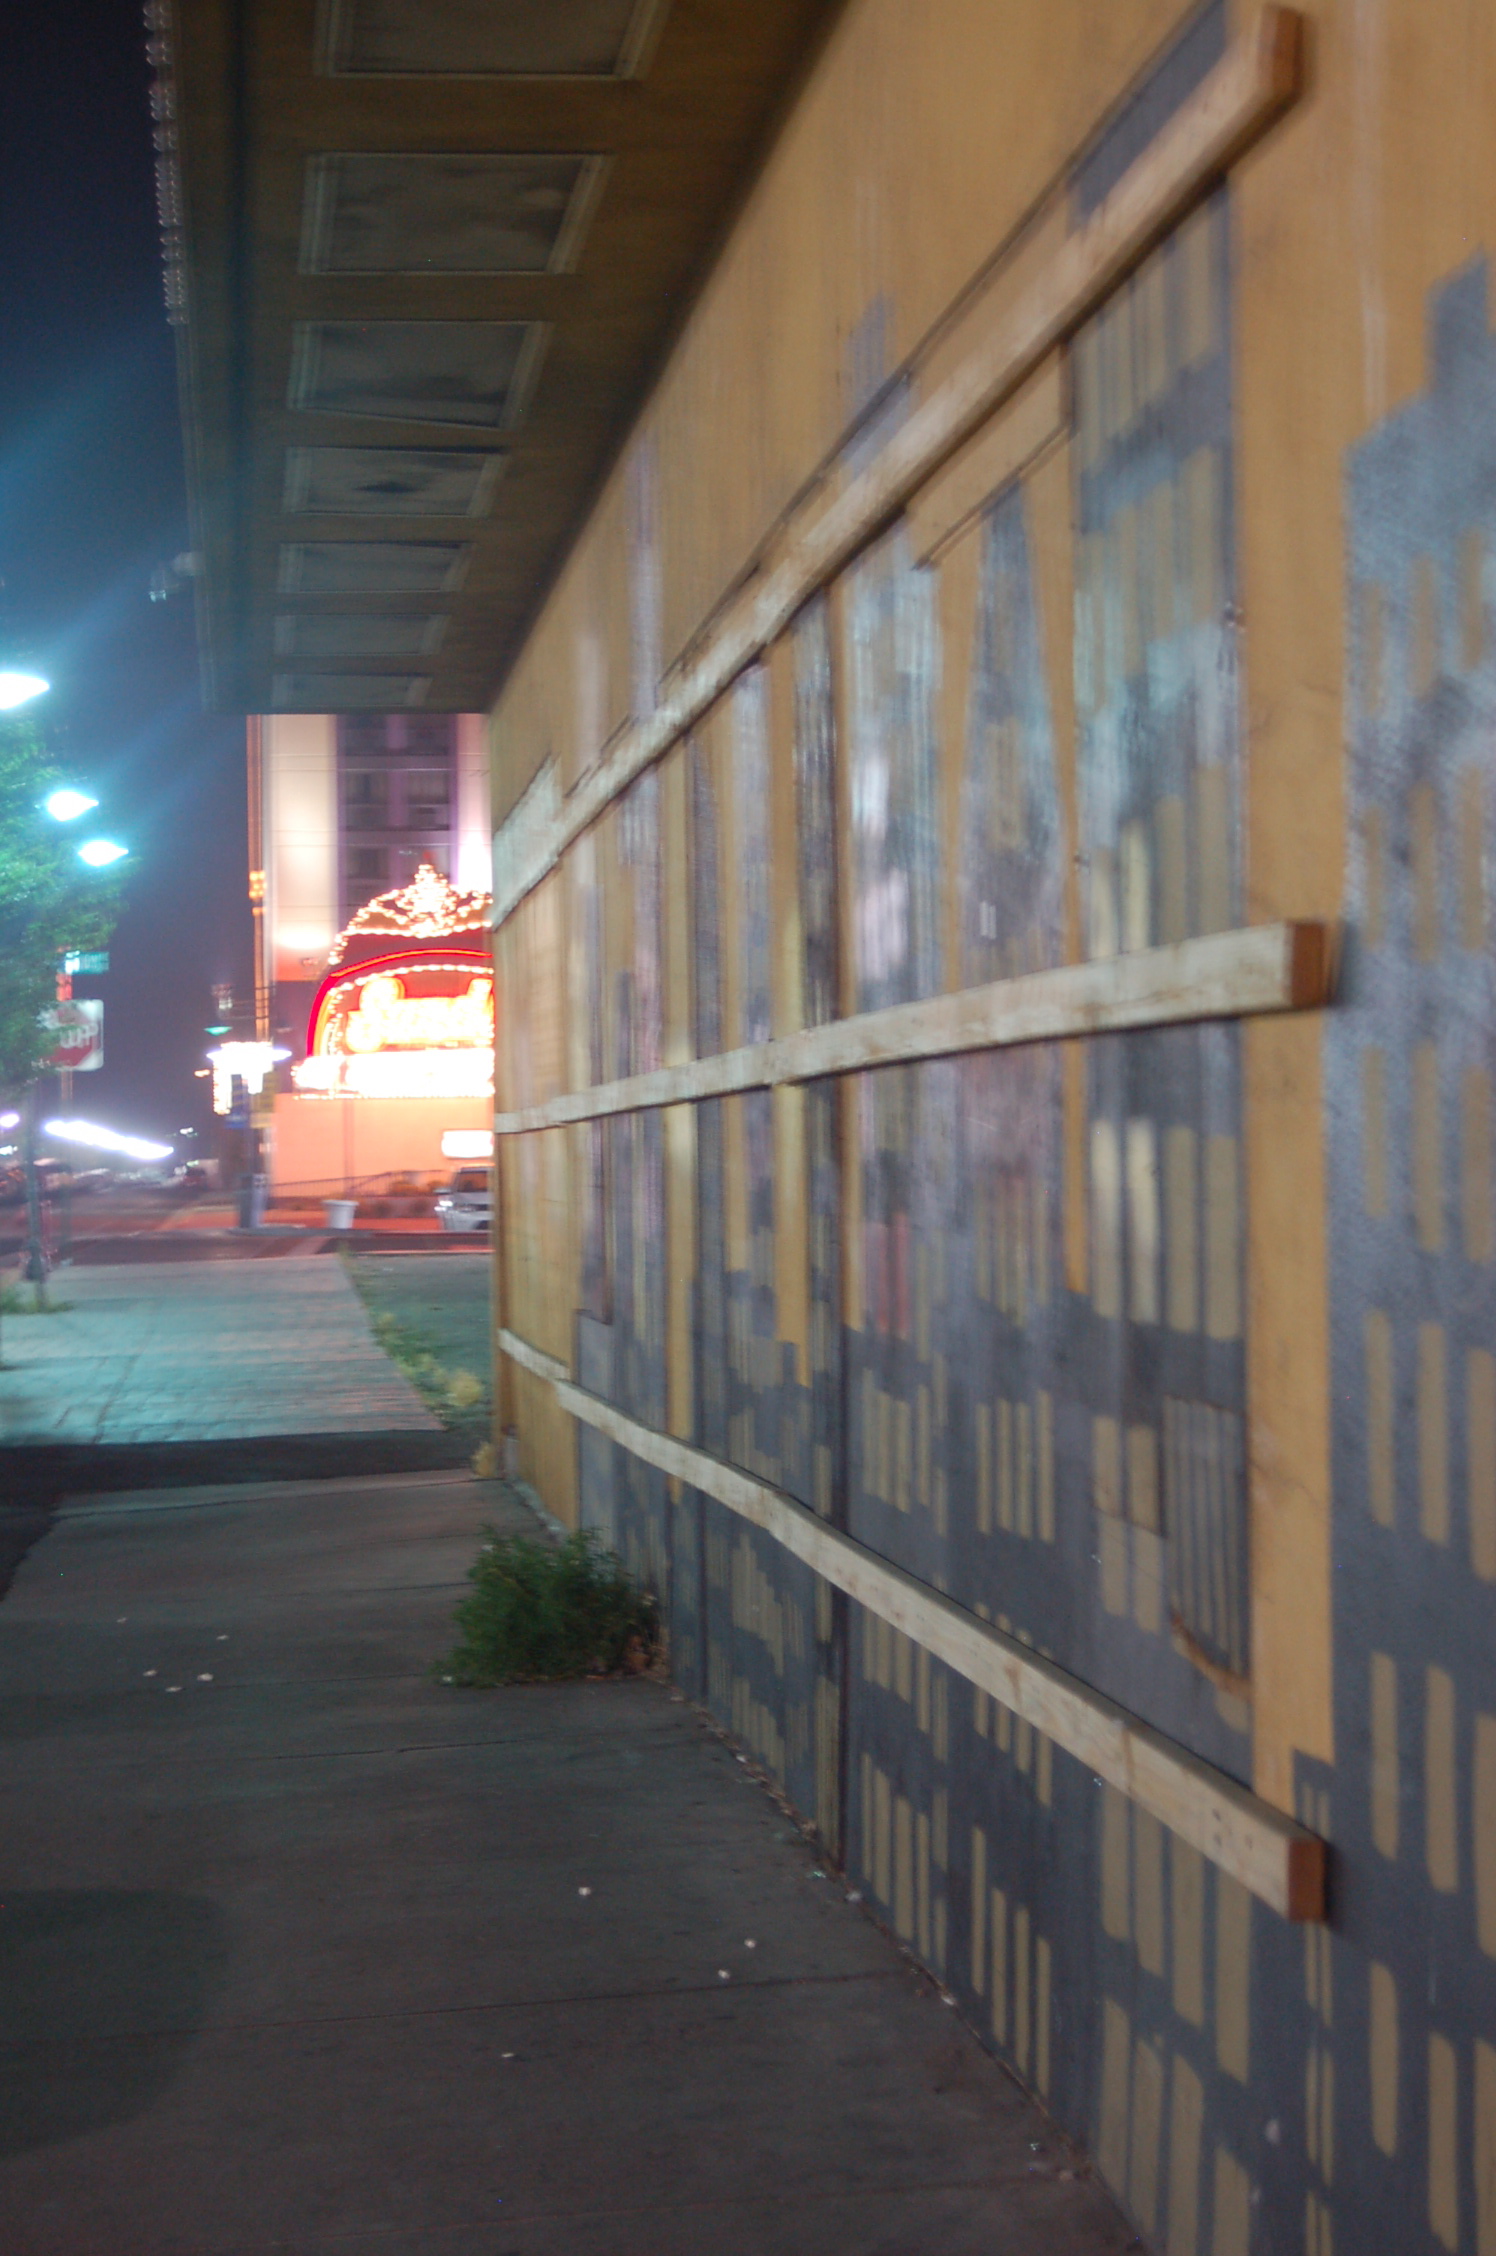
(420,1024)
(389,1019)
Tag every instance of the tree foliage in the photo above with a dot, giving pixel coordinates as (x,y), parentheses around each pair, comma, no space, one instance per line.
(50,902)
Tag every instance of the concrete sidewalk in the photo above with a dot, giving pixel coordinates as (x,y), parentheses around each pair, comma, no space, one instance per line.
(213,1350)
(301,1951)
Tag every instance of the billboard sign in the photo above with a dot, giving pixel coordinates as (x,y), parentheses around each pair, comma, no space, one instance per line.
(77,1031)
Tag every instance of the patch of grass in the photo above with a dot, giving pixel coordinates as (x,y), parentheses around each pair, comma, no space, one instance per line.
(540,1611)
(20,1300)
(457,1397)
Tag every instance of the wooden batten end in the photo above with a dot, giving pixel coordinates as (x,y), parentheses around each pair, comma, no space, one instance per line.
(1313,955)
(1307,1859)
(1281,54)
(1265,72)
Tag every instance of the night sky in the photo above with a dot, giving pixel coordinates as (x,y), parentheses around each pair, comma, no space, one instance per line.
(91,503)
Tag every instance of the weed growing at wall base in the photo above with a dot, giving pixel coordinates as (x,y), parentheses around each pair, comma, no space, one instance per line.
(541,1611)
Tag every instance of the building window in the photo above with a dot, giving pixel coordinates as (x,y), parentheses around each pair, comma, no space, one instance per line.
(428,798)
(366,798)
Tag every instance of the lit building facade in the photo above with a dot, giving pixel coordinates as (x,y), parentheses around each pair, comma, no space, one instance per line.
(372,901)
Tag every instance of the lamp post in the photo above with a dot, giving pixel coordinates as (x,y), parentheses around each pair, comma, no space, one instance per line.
(36,1258)
(63,805)
(18,688)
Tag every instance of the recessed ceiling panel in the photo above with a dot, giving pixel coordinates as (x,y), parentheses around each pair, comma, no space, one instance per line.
(322,634)
(348,693)
(484,38)
(456,159)
(372,567)
(389,482)
(446,214)
(472,373)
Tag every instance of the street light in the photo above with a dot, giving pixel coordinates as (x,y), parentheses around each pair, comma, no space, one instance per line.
(105,1139)
(19,689)
(100,852)
(66,805)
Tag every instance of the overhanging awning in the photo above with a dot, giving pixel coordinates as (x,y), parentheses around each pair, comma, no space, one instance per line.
(424,255)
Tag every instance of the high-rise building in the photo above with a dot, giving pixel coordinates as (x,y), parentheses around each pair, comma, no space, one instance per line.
(351,804)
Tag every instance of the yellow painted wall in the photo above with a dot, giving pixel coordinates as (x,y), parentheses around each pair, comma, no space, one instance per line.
(919,179)
(931,136)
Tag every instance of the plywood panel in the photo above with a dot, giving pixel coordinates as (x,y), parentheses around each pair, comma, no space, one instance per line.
(906,212)
(1261,1852)
(1249,89)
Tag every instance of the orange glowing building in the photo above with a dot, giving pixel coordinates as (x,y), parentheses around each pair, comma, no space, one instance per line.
(382,993)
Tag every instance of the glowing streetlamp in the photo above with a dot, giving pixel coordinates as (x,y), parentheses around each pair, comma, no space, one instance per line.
(19,689)
(100,852)
(105,1139)
(249,1062)
(67,805)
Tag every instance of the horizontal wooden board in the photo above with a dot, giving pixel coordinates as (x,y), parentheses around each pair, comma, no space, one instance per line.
(1277,1859)
(1255,81)
(1031,421)
(1263,968)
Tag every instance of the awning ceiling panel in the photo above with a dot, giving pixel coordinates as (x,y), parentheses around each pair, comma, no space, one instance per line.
(425,255)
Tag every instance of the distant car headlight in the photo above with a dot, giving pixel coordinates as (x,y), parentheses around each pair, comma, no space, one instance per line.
(443,1205)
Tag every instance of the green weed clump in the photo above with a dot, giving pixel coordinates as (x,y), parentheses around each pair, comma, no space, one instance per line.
(540,1611)
(19,1300)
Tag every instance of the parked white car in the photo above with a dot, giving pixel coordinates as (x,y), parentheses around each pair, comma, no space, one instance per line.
(467,1201)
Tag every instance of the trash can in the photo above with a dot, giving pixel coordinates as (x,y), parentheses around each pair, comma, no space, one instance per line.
(340,1213)
(252,1199)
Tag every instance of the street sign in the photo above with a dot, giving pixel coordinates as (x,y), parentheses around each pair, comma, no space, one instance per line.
(91,962)
(78,1032)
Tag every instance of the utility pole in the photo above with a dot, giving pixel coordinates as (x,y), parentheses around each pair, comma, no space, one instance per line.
(254,766)
(36,1259)
(65,1093)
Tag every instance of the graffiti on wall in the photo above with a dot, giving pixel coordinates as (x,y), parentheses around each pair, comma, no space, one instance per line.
(1409,1061)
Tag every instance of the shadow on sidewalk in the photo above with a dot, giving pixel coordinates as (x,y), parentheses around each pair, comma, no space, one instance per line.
(120,1979)
(33,1480)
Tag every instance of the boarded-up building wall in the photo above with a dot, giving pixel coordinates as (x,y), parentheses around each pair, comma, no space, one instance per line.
(1056,550)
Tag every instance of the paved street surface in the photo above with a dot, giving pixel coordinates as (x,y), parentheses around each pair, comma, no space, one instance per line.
(151,1222)
(301,1951)
(200,1351)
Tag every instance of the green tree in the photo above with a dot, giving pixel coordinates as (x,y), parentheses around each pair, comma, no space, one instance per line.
(50,902)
